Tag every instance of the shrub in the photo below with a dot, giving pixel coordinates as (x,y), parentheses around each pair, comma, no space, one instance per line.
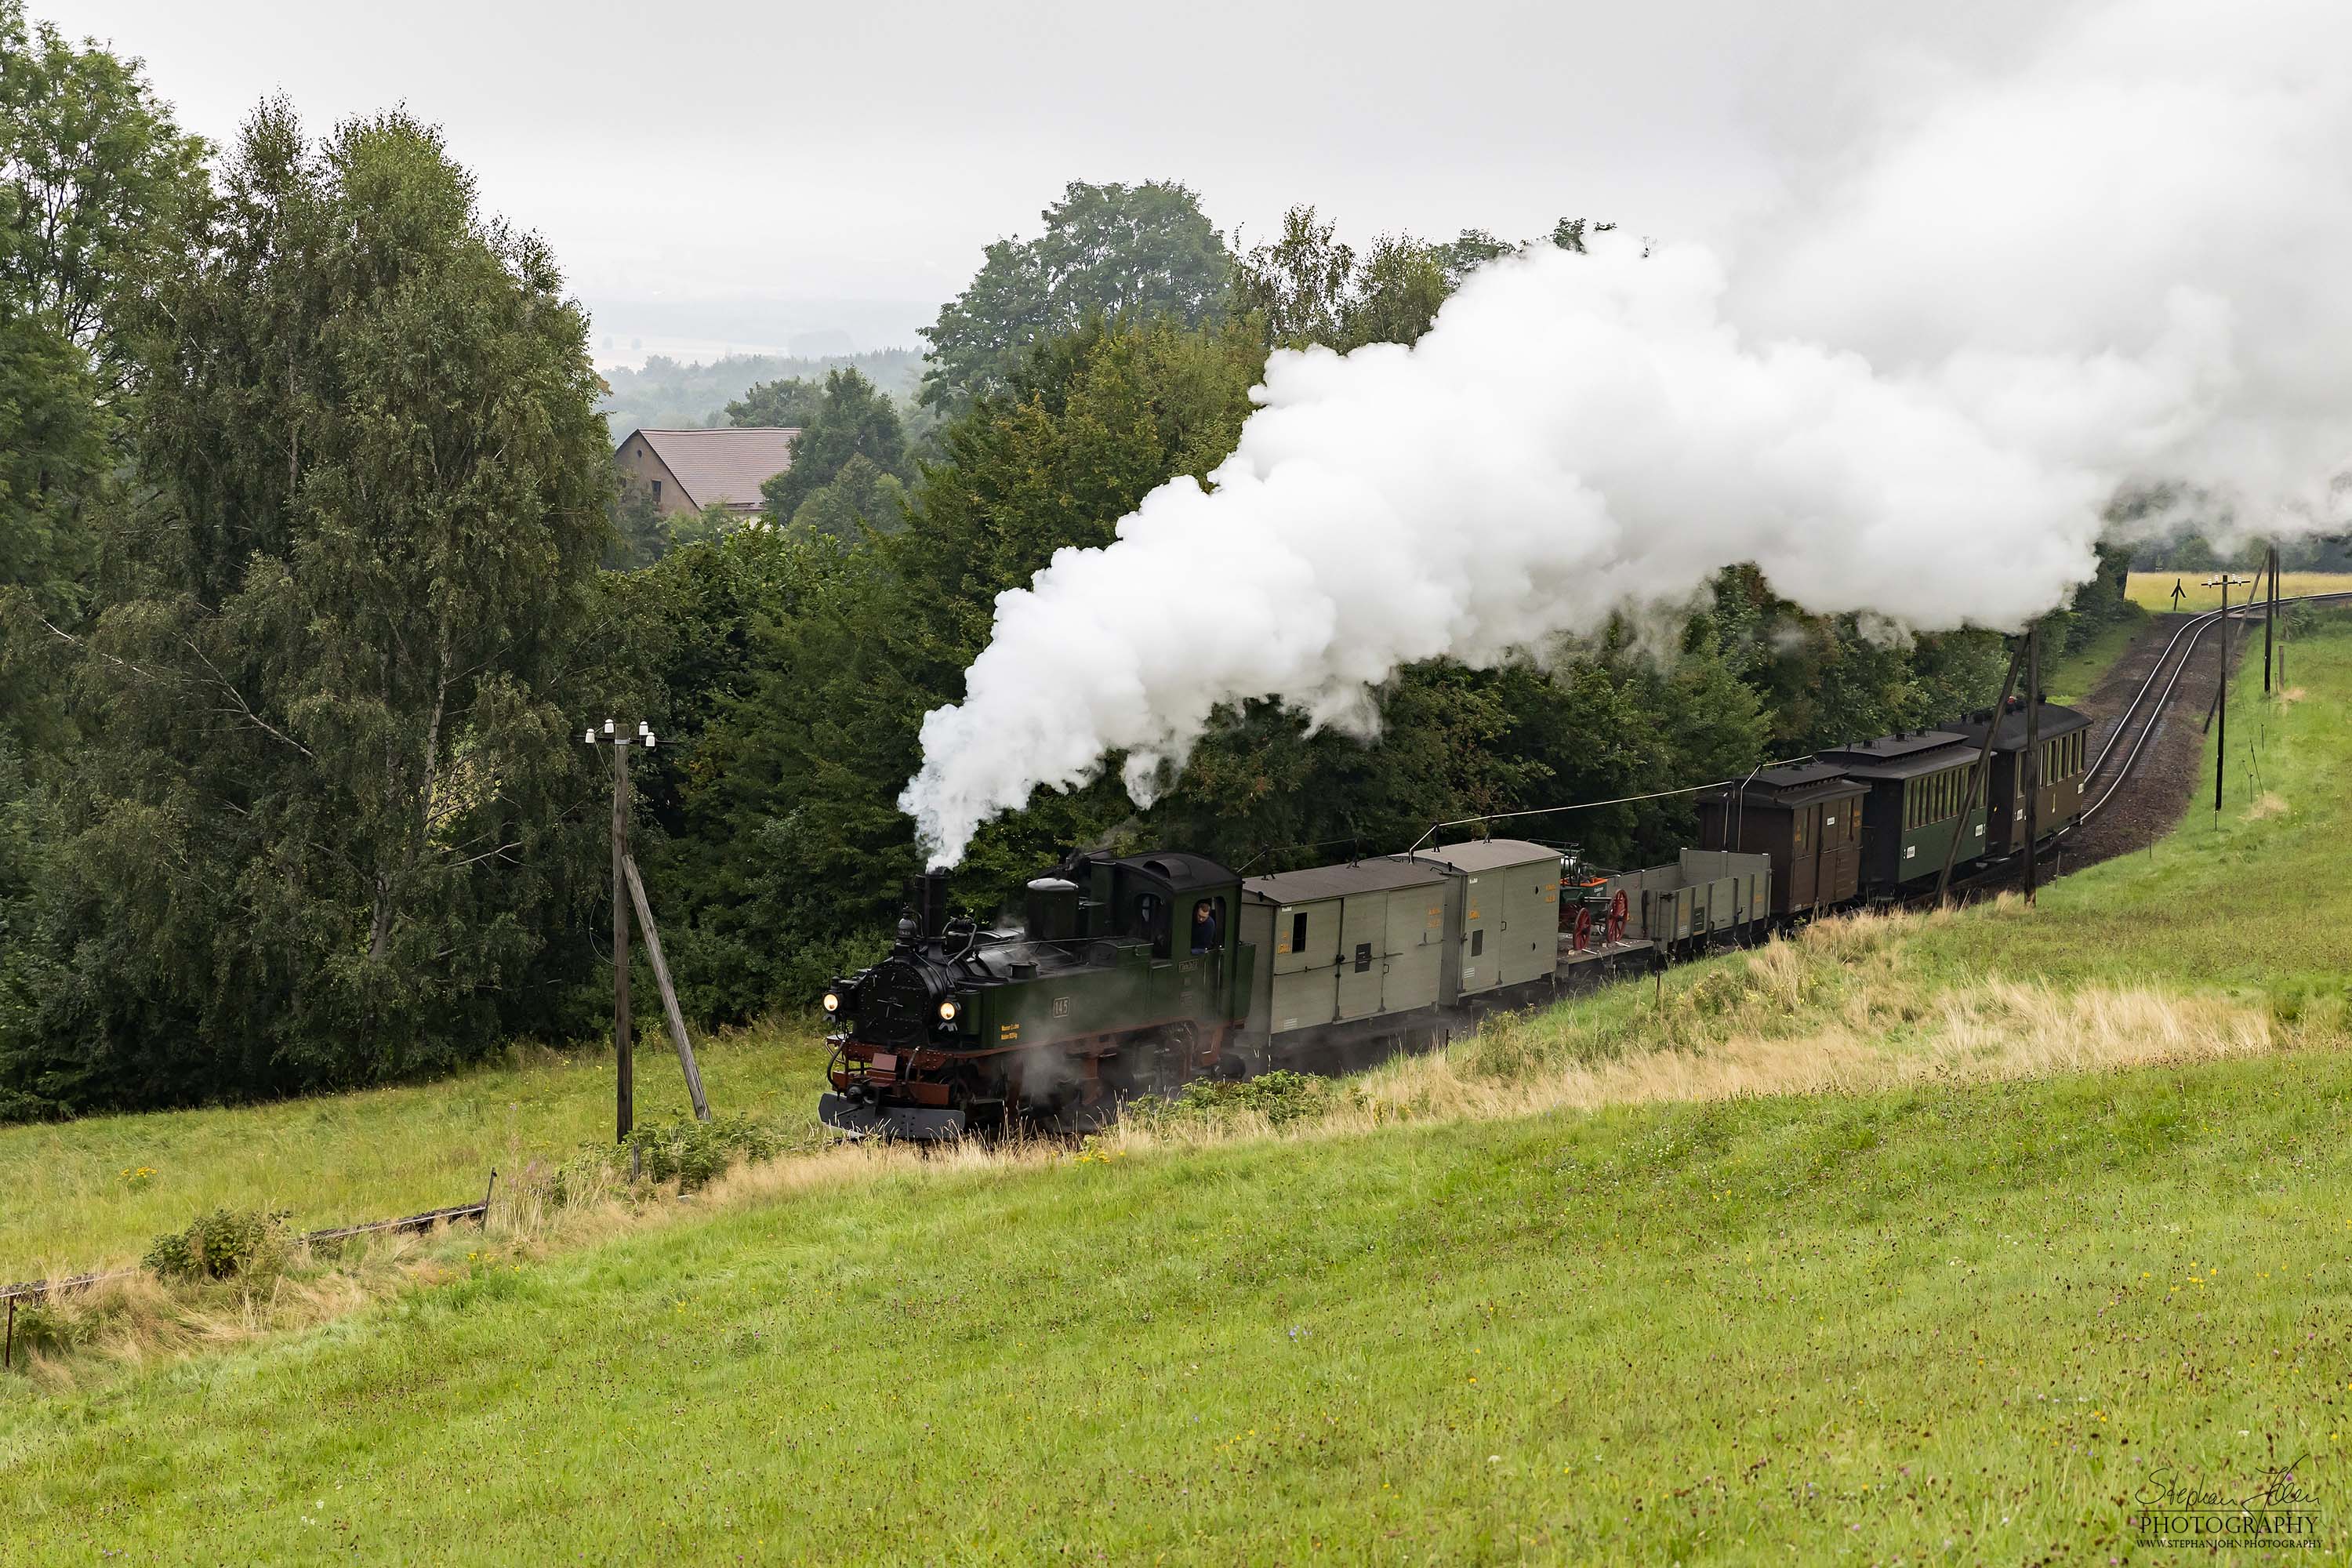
(1281,1097)
(691,1154)
(222,1244)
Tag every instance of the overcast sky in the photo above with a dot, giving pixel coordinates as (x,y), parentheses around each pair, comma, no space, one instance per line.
(744,171)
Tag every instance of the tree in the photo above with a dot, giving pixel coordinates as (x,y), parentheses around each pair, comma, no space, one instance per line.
(1115,250)
(324,835)
(783,405)
(94,182)
(640,534)
(1298,285)
(861,496)
(1308,287)
(1398,292)
(849,420)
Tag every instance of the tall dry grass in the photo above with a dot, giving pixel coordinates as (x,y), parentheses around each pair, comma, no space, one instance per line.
(1842,1008)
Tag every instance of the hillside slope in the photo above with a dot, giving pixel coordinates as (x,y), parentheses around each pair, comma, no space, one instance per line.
(1938,1322)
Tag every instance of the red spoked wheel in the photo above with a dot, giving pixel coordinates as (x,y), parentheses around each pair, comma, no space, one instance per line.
(1617,917)
(1583,929)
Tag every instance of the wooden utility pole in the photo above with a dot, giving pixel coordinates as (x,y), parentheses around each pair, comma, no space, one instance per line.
(2270,620)
(625,1086)
(2031,772)
(628,888)
(2221,692)
(1977,777)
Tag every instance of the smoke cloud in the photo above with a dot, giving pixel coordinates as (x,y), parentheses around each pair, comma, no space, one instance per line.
(1911,392)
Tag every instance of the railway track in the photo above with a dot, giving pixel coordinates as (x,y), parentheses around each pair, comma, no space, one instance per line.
(2144,715)
(2125,745)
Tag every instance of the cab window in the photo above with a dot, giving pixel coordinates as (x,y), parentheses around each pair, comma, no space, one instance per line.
(1208,926)
(1151,920)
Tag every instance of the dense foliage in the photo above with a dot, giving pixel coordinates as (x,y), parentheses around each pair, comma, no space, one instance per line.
(316,830)
(1138,251)
(306,494)
(850,461)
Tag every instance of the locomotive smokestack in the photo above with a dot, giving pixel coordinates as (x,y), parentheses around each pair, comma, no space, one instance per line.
(926,896)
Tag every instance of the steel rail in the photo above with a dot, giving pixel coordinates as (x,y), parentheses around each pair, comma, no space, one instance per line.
(2195,631)
(2123,720)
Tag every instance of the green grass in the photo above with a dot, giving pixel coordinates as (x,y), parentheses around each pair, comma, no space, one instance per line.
(2072,678)
(77,1198)
(2255,902)
(1941,1324)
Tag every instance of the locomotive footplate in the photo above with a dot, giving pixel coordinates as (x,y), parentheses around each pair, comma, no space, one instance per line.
(916,1123)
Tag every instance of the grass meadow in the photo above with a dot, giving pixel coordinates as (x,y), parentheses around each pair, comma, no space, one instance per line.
(1936,1238)
(1935,1324)
(92,1194)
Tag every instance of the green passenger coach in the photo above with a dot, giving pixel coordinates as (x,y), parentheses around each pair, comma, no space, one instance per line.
(1918,783)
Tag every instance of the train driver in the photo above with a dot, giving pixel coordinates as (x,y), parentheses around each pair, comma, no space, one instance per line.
(1208,933)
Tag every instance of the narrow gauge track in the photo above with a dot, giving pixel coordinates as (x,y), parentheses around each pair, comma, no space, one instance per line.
(2125,743)
(2138,722)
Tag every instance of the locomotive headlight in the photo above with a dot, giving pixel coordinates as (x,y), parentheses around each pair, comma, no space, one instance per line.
(832,1002)
(947,1012)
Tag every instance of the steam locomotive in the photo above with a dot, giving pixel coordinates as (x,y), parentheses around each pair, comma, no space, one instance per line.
(1135,975)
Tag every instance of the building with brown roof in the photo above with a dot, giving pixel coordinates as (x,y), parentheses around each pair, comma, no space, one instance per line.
(687,471)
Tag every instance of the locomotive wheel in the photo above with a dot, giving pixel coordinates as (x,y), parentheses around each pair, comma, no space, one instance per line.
(1582,941)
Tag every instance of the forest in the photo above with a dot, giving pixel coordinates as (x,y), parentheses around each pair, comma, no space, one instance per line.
(314,566)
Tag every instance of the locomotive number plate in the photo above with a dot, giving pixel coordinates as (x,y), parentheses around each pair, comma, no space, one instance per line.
(1061,1006)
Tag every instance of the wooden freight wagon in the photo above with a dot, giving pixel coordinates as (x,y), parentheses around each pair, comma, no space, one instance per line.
(1707,898)
(1508,894)
(1807,817)
(1343,943)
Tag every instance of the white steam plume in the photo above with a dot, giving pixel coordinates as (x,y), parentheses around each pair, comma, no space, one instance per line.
(1914,396)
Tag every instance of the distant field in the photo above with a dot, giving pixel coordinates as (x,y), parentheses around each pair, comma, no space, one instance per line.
(94,1193)
(2153,590)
